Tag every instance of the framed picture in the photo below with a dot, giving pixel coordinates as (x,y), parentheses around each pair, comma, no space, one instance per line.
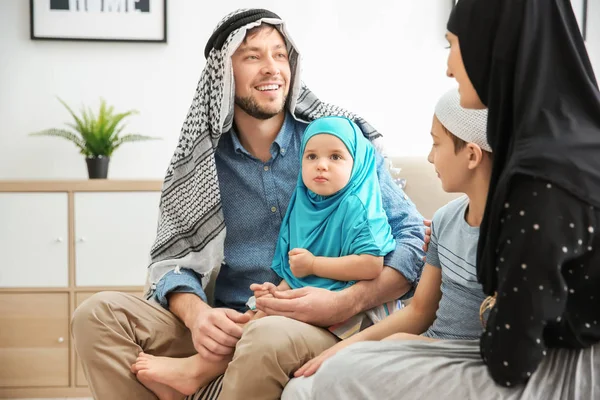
(580,7)
(99,20)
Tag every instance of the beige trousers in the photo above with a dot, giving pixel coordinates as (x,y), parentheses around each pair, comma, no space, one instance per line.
(110,329)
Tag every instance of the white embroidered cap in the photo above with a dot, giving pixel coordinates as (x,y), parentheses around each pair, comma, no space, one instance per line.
(468,125)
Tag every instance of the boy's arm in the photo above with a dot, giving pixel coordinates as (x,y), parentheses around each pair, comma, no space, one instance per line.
(414,318)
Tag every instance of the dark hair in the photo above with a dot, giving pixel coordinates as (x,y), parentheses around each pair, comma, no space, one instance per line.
(459,144)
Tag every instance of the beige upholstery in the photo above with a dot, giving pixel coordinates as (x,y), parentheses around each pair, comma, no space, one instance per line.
(422,184)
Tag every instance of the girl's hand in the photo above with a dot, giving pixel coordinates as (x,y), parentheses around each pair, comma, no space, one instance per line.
(301,262)
(262,290)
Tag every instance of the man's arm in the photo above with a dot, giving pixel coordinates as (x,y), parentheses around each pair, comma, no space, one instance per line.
(215,331)
(406,260)
(407,228)
(184,281)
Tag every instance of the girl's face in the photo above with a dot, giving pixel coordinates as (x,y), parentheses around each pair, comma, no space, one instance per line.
(456,69)
(326,165)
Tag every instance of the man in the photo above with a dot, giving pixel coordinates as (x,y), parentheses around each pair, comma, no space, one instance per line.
(236,165)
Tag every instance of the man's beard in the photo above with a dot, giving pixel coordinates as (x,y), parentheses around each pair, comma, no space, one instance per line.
(253,109)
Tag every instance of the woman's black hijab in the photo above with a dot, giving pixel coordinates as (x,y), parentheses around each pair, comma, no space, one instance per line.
(528,63)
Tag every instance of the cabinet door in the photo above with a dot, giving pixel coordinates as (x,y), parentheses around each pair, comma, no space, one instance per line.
(113,236)
(34,340)
(34,240)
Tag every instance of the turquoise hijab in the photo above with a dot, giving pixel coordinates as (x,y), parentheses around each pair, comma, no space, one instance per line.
(351,221)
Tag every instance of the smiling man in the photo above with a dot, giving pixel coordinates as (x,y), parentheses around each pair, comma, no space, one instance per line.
(236,166)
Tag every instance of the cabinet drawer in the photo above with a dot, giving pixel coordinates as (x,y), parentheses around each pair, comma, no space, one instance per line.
(34,340)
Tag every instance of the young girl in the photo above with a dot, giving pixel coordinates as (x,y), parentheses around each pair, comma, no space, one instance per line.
(335,232)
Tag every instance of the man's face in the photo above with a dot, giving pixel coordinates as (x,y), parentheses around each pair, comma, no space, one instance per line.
(326,164)
(261,70)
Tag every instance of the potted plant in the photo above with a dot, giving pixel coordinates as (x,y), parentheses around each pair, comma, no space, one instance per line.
(96,136)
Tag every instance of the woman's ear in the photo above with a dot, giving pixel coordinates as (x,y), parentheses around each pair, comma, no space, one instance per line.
(475,155)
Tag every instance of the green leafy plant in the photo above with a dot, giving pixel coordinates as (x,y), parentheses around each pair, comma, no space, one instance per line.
(96,135)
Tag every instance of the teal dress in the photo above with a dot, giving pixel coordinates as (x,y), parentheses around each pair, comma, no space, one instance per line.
(351,221)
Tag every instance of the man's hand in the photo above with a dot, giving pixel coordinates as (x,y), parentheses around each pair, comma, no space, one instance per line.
(301,262)
(312,305)
(215,331)
(427,224)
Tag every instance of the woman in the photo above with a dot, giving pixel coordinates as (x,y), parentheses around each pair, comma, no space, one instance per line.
(539,246)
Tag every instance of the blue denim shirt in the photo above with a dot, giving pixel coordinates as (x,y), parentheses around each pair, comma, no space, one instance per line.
(255,196)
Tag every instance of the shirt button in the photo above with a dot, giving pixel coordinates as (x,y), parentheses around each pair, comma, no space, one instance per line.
(273,209)
(266,167)
(282,151)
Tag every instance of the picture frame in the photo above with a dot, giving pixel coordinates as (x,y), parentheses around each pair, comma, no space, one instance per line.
(580,7)
(99,20)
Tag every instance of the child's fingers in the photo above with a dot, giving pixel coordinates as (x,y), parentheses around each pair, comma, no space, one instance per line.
(295,251)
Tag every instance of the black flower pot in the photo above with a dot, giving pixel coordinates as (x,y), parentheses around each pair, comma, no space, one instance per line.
(97,167)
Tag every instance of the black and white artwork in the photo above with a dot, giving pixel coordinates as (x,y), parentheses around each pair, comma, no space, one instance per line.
(99,20)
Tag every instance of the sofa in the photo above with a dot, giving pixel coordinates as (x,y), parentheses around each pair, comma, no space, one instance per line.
(422,184)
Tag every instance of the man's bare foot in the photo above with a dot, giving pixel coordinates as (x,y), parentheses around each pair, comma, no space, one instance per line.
(162,391)
(184,375)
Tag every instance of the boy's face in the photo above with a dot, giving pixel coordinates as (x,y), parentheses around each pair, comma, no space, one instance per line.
(326,165)
(452,168)
(261,71)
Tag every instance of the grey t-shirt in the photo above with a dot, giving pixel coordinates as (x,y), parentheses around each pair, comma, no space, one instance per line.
(453,248)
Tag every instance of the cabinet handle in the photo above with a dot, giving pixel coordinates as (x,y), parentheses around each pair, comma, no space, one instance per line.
(61,339)
(59,239)
(81,239)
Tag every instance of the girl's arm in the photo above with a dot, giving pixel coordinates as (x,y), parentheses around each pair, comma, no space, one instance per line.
(347,268)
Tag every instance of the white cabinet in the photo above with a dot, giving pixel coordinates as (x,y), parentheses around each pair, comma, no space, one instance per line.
(61,241)
(34,236)
(113,235)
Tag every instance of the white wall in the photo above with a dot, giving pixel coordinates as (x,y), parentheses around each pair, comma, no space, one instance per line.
(385,62)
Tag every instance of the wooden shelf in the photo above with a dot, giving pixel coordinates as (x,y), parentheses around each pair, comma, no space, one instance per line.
(91,185)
